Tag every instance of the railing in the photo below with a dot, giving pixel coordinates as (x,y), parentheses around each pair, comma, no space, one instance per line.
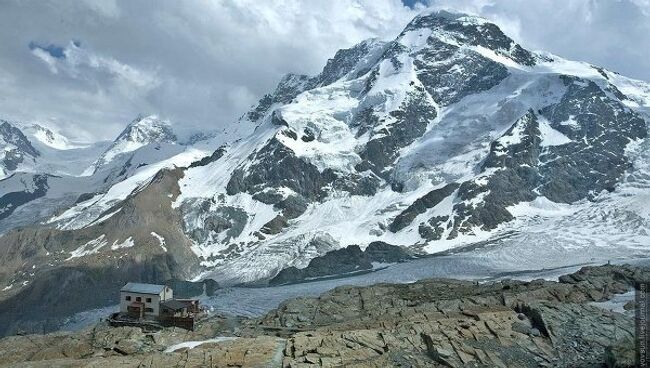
(152,325)
(144,324)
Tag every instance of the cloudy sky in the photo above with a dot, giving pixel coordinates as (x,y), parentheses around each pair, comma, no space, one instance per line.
(89,67)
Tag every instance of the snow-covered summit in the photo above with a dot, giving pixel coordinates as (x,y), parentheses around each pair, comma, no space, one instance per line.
(147,129)
(460,29)
(142,131)
(12,137)
(450,15)
(51,138)
(33,149)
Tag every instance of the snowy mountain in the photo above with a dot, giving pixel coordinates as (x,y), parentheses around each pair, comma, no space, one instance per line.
(141,132)
(16,151)
(449,135)
(427,141)
(50,138)
(67,172)
(34,158)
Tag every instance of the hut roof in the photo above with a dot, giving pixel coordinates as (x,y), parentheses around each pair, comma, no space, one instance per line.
(138,288)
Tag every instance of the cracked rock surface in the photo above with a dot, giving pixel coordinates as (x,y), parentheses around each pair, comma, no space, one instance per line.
(434,322)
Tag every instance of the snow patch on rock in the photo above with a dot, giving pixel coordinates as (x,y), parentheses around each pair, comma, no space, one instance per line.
(161,240)
(90,247)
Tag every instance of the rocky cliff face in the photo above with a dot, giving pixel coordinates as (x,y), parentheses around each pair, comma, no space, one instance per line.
(433,323)
(344,261)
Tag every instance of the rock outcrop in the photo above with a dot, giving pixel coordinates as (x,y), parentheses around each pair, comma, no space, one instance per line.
(342,261)
(436,322)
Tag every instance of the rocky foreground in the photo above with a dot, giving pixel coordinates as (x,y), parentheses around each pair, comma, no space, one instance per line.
(435,322)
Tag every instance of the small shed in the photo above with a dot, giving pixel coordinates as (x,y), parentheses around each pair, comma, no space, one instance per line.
(179,308)
(143,300)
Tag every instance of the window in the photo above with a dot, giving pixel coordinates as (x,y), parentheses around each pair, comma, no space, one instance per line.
(148,300)
(148,310)
(138,299)
(128,298)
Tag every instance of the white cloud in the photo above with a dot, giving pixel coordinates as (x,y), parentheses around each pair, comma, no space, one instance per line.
(48,59)
(644,5)
(80,63)
(107,8)
(204,62)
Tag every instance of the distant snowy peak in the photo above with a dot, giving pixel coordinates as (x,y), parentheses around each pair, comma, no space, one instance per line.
(142,131)
(51,138)
(15,149)
(11,136)
(147,129)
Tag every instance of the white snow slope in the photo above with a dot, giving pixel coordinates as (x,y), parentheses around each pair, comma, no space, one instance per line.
(453,147)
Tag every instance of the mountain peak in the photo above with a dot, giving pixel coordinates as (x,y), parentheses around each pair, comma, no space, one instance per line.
(461,29)
(451,16)
(147,129)
(142,131)
(50,137)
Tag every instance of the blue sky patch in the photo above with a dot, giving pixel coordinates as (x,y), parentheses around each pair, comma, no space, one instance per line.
(52,49)
(411,3)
